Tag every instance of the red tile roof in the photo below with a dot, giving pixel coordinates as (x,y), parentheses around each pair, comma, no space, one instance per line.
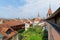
(7,25)
(4,28)
(14,23)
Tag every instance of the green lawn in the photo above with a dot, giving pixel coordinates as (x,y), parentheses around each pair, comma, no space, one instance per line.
(35,33)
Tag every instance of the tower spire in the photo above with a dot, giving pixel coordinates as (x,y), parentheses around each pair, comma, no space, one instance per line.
(49,11)
(49,6)
(38,15)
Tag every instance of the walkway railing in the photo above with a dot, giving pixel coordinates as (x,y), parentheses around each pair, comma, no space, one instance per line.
(57,27)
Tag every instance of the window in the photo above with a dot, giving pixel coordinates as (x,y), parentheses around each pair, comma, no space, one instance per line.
(8,31)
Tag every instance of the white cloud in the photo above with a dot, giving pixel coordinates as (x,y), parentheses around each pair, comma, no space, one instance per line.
(30,9)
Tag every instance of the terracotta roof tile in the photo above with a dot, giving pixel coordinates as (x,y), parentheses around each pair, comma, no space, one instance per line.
(14,23)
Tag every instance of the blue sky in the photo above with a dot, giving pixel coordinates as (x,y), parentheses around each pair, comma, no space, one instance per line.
(26,8)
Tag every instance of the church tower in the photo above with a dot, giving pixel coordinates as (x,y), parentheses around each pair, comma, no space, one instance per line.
(37,19)
(49,11)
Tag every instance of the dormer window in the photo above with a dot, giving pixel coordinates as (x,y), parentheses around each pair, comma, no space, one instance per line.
(8,31)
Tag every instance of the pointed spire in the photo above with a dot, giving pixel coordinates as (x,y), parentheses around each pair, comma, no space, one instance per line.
(38,15)
(49,6)
(49,11)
